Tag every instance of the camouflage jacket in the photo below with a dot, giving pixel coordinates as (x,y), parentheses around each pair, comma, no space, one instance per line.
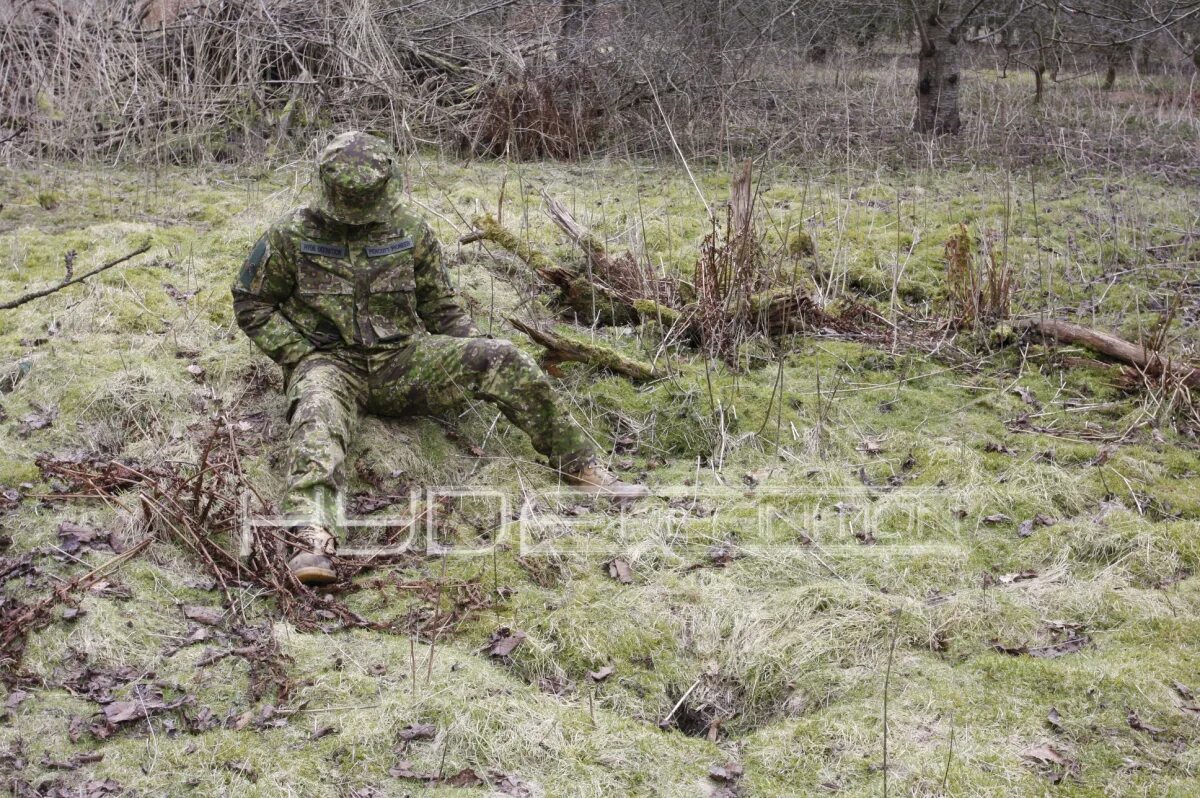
(312,283)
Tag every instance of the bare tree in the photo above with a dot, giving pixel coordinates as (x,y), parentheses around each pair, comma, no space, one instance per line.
(937,69)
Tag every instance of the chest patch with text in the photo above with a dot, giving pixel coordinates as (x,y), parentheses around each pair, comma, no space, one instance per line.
(328,250)
(390,248)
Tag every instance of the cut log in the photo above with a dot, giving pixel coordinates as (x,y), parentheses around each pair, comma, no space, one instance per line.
(562,348)
(1148,361)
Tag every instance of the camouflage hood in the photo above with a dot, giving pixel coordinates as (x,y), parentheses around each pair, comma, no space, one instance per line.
(355,172)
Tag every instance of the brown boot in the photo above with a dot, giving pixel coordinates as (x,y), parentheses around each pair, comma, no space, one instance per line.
(314,565)
(593,477)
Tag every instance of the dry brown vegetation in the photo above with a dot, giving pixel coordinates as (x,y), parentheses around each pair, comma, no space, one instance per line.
(233,80)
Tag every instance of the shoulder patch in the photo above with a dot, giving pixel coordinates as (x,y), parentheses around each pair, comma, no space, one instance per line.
(390,248)
(328,250)
(248,277)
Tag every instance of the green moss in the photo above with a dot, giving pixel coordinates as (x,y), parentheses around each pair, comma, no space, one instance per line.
(790,638)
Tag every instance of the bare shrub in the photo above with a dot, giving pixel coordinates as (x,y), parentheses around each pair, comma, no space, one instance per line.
(730,272)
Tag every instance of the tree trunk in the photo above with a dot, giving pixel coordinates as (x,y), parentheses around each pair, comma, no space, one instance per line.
(1039,83)
(937,83)
(1110,77)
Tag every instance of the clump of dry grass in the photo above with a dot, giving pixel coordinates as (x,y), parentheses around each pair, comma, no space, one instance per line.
(979,286)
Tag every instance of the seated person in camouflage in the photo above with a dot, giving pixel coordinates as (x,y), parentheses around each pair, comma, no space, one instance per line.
(351,296)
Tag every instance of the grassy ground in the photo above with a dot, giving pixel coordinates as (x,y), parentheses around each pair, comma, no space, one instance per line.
(776,649)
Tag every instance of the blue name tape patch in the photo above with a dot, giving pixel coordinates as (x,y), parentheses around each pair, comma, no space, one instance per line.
(390,248)
(328,250)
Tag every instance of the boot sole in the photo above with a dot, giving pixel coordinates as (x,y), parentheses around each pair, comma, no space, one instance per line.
(310,575)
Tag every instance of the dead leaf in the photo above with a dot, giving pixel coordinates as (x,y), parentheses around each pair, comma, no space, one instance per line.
(73,537)
(1057,763)
(1025,529)
(732,771)
(1137,724)
(1019,576)
(504,642)
(722,554)
(197,371)
(507,784)
(1068,646)
(147,700)
(996,518)
(1054,719)
(1045,755)
(37,421)
(999,448)
(602,674)
(111,590)
(1184,691)
(1043,520)
(322,731)
(196,634)
(16,698)
(417,731)
(618,569)
(243,769)
(178,295)
(871,446)
(463,778)
(210,616)
(865,538)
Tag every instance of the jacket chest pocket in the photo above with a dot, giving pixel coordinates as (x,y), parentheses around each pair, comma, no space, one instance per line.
(312,277)
(391,265)
(392,307)
(394,277)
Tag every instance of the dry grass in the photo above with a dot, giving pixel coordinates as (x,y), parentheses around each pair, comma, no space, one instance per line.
(241,80)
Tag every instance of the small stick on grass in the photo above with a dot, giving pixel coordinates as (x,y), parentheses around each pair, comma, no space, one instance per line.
(437,617)
(949,757)
(665,722)
(412,662)
(887,681)
(21,300)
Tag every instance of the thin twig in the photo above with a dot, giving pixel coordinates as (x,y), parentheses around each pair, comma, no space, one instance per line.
(887,681)
(21,300)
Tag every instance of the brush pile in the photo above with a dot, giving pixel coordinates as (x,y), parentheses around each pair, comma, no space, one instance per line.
(206,507)
(735,294)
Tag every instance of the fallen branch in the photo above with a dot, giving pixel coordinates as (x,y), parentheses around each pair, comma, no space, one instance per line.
(1145,360)
(588,296)
(21,300)
(561,348)
(488,229)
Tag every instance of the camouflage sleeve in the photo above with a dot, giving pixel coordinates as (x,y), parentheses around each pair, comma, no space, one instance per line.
(436,300)
(267,279)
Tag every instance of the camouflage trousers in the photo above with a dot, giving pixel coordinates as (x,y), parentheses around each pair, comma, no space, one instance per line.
(328,389)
